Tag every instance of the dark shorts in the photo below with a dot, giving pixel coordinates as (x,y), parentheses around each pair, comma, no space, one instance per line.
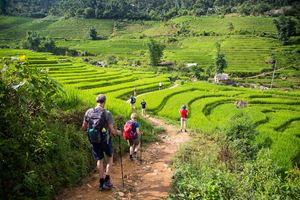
(135,141)
(98,150)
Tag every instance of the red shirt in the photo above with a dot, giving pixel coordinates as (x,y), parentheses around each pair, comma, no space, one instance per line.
(183,113)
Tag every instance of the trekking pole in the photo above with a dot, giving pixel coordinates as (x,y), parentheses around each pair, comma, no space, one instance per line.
(141,147)
(121,161)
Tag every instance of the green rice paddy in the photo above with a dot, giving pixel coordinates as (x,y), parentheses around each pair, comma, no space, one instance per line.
(276,114)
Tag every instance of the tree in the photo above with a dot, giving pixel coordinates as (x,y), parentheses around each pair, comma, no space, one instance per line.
(89,13)
(156,51)
(3,5)
(230,27)
(93,33)
(221,63)
(49,45)
(32,41)
(197,71)
(286,27)
(209,71)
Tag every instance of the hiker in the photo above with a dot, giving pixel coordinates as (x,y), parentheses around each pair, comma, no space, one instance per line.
(99,125)
(143,104)
(132,135)
(160,85)
(132,101)
(183,113)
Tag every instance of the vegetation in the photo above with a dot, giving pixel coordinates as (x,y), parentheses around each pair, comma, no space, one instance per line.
(244,153)
(93,33)
(156,52)
(214,106)
(55,153)
(226,171)
(271,112)
(286,28)
(221,63)
(139,9)
(38,154)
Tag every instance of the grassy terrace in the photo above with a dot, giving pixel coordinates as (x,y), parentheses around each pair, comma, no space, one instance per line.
(247,47)
(275,113)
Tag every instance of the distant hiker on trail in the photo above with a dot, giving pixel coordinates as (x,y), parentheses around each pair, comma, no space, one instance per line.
(159,85)
(132,101)
(99,125)
(143,104)
(131,134)
(183,113)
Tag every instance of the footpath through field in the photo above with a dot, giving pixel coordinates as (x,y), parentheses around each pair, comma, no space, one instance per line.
(149,179)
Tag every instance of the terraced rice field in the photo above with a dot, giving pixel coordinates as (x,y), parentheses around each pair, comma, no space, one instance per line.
(87,81)
(276,114)
(247,48)
(15,28)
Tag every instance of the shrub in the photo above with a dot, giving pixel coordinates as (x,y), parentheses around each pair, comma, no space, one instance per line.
(200,174)
(241,134)
(38,154)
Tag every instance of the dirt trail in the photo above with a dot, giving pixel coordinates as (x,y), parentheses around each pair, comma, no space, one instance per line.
(149,179)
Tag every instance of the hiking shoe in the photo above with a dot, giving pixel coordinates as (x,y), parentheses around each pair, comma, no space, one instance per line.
(107,185)
(131,157)
(135,154)
(101,187)
(185,130)
(101,182)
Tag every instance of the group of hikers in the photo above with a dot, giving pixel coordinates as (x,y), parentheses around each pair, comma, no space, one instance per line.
(98,123)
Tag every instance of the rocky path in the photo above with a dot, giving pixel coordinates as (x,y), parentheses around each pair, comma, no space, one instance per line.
(147,179)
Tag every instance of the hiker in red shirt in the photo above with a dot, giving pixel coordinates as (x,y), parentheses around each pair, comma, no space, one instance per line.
(183,112)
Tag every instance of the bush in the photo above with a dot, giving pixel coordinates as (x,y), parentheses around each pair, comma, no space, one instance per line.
(201,174)
(38,154)
(241,134)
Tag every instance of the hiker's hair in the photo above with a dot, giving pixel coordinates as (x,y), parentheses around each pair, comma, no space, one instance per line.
(184,107)
(134,116)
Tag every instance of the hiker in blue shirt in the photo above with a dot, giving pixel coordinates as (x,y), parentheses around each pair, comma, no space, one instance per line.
(132,135)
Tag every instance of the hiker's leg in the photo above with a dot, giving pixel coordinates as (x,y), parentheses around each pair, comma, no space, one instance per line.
(184,124)
(109,153)
(109,165)
(98,155)
(137,146)
(100,168)
(131,148)
(181,122)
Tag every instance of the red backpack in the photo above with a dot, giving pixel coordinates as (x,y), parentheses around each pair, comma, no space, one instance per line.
(128,130)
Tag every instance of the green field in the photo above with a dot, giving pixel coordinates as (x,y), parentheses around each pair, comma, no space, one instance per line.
(240,153)
(247,48)
(276,114)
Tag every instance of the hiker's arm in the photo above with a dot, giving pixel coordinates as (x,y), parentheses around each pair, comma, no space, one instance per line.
(84,125)
(138,131)
(113,131)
